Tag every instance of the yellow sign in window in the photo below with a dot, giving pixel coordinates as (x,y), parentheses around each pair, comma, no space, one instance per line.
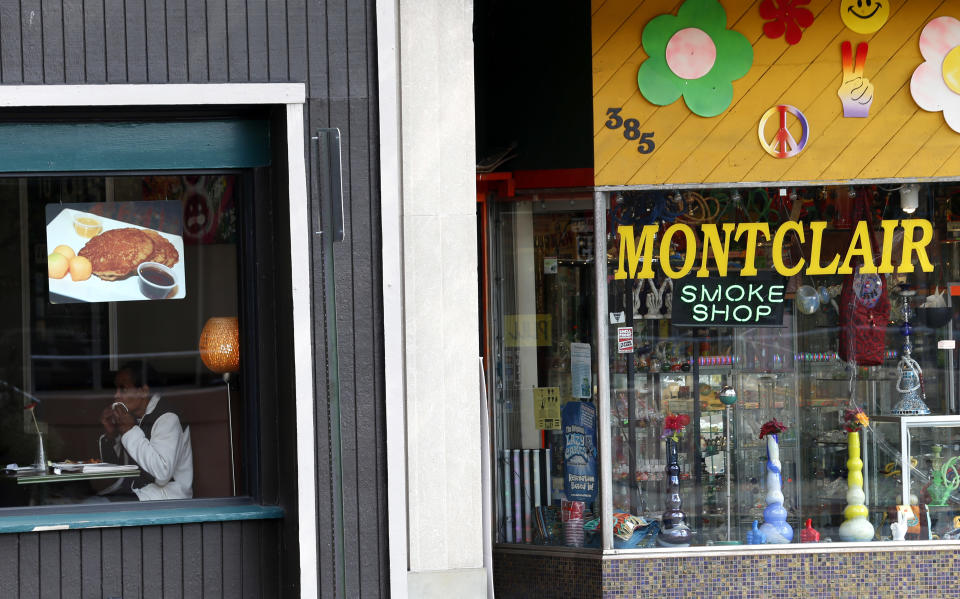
(546,408)
(527,330)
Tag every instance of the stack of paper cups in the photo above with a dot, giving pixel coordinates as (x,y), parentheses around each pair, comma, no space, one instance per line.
(573,532)
(571,513)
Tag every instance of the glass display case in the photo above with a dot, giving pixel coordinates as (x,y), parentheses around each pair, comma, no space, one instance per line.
(721,439)
(928,448)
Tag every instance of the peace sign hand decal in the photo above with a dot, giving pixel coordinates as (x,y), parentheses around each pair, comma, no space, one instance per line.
(856,92)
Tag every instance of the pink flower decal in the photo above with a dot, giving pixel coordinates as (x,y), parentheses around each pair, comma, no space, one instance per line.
(694,56)
(785,17)
(935,85)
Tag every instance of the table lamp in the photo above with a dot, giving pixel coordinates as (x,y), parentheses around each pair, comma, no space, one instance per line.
(220,352)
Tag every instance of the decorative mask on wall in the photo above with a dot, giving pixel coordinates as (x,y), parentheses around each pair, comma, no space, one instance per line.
(693,55)
(935,85)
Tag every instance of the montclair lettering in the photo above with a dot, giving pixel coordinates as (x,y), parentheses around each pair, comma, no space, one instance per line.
(917,235)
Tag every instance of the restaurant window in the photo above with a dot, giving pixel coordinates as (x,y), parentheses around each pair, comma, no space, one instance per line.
(796,384)
(129,300)
(109,282)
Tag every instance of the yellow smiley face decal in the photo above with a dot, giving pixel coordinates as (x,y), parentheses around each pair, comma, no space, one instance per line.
(864,16)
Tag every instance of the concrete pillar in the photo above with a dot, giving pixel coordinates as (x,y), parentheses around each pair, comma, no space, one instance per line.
(440,311)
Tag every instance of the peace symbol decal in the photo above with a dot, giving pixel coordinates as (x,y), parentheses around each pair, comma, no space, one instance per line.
(783,145)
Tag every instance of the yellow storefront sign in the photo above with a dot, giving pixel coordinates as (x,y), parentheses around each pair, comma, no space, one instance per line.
(636,255)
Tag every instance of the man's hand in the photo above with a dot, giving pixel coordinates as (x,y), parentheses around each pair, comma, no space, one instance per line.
(125,420)
(109,421)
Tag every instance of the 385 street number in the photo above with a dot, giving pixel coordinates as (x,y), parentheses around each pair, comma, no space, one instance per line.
(631,130)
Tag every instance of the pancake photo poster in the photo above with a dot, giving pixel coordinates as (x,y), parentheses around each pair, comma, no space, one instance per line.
(115,251)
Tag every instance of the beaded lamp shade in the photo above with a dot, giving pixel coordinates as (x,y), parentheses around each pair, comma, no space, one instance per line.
(220,344)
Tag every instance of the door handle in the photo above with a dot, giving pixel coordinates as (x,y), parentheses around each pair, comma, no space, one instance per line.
(330,179)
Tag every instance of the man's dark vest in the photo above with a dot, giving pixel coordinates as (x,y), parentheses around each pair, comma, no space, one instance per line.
(146,425)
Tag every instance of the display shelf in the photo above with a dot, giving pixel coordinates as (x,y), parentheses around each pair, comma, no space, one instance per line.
(912,438)
(808,396)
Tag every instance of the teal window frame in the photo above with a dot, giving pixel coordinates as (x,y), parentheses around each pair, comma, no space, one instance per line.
(133,146)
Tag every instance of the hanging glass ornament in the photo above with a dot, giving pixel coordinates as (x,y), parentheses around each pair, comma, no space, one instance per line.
(727,395)
(868,288)
(824,294)
(808,300)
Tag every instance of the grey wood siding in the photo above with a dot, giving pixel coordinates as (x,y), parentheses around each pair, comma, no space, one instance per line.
(331,46)
(232,560)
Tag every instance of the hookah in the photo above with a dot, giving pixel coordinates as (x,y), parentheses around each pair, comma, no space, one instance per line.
(943,484)
(909,374)
(674,532)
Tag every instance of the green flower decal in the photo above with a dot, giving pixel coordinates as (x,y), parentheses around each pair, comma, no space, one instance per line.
(693,55)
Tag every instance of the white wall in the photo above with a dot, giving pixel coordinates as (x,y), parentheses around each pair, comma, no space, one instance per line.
(440,284)
(429,193)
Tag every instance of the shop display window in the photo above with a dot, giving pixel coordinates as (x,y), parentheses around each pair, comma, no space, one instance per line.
(545,336)
(120,314)
(794,382)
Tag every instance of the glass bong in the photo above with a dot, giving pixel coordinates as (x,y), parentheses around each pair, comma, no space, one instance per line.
(910,376)
(674,532)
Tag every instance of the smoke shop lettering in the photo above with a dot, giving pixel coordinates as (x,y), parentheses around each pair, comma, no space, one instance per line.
(746,303)
(729,302)
(716,240)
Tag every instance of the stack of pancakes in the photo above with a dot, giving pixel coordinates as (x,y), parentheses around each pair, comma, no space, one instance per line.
(117,253)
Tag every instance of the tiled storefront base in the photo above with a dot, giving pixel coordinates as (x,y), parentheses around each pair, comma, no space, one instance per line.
(867,575)
(812,575)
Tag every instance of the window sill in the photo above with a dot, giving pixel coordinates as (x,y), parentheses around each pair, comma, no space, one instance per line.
(145,517)
(731,550)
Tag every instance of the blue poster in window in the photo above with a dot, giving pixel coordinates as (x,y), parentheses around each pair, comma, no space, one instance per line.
(579,422)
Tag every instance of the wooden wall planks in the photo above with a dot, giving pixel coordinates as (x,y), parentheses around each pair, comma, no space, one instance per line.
(331,46)
(192,551)
(138,548)
(151,561)
(173,561)
(70,564)
(898,139)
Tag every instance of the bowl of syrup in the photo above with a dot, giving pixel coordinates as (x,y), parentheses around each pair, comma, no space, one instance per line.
(156,280)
